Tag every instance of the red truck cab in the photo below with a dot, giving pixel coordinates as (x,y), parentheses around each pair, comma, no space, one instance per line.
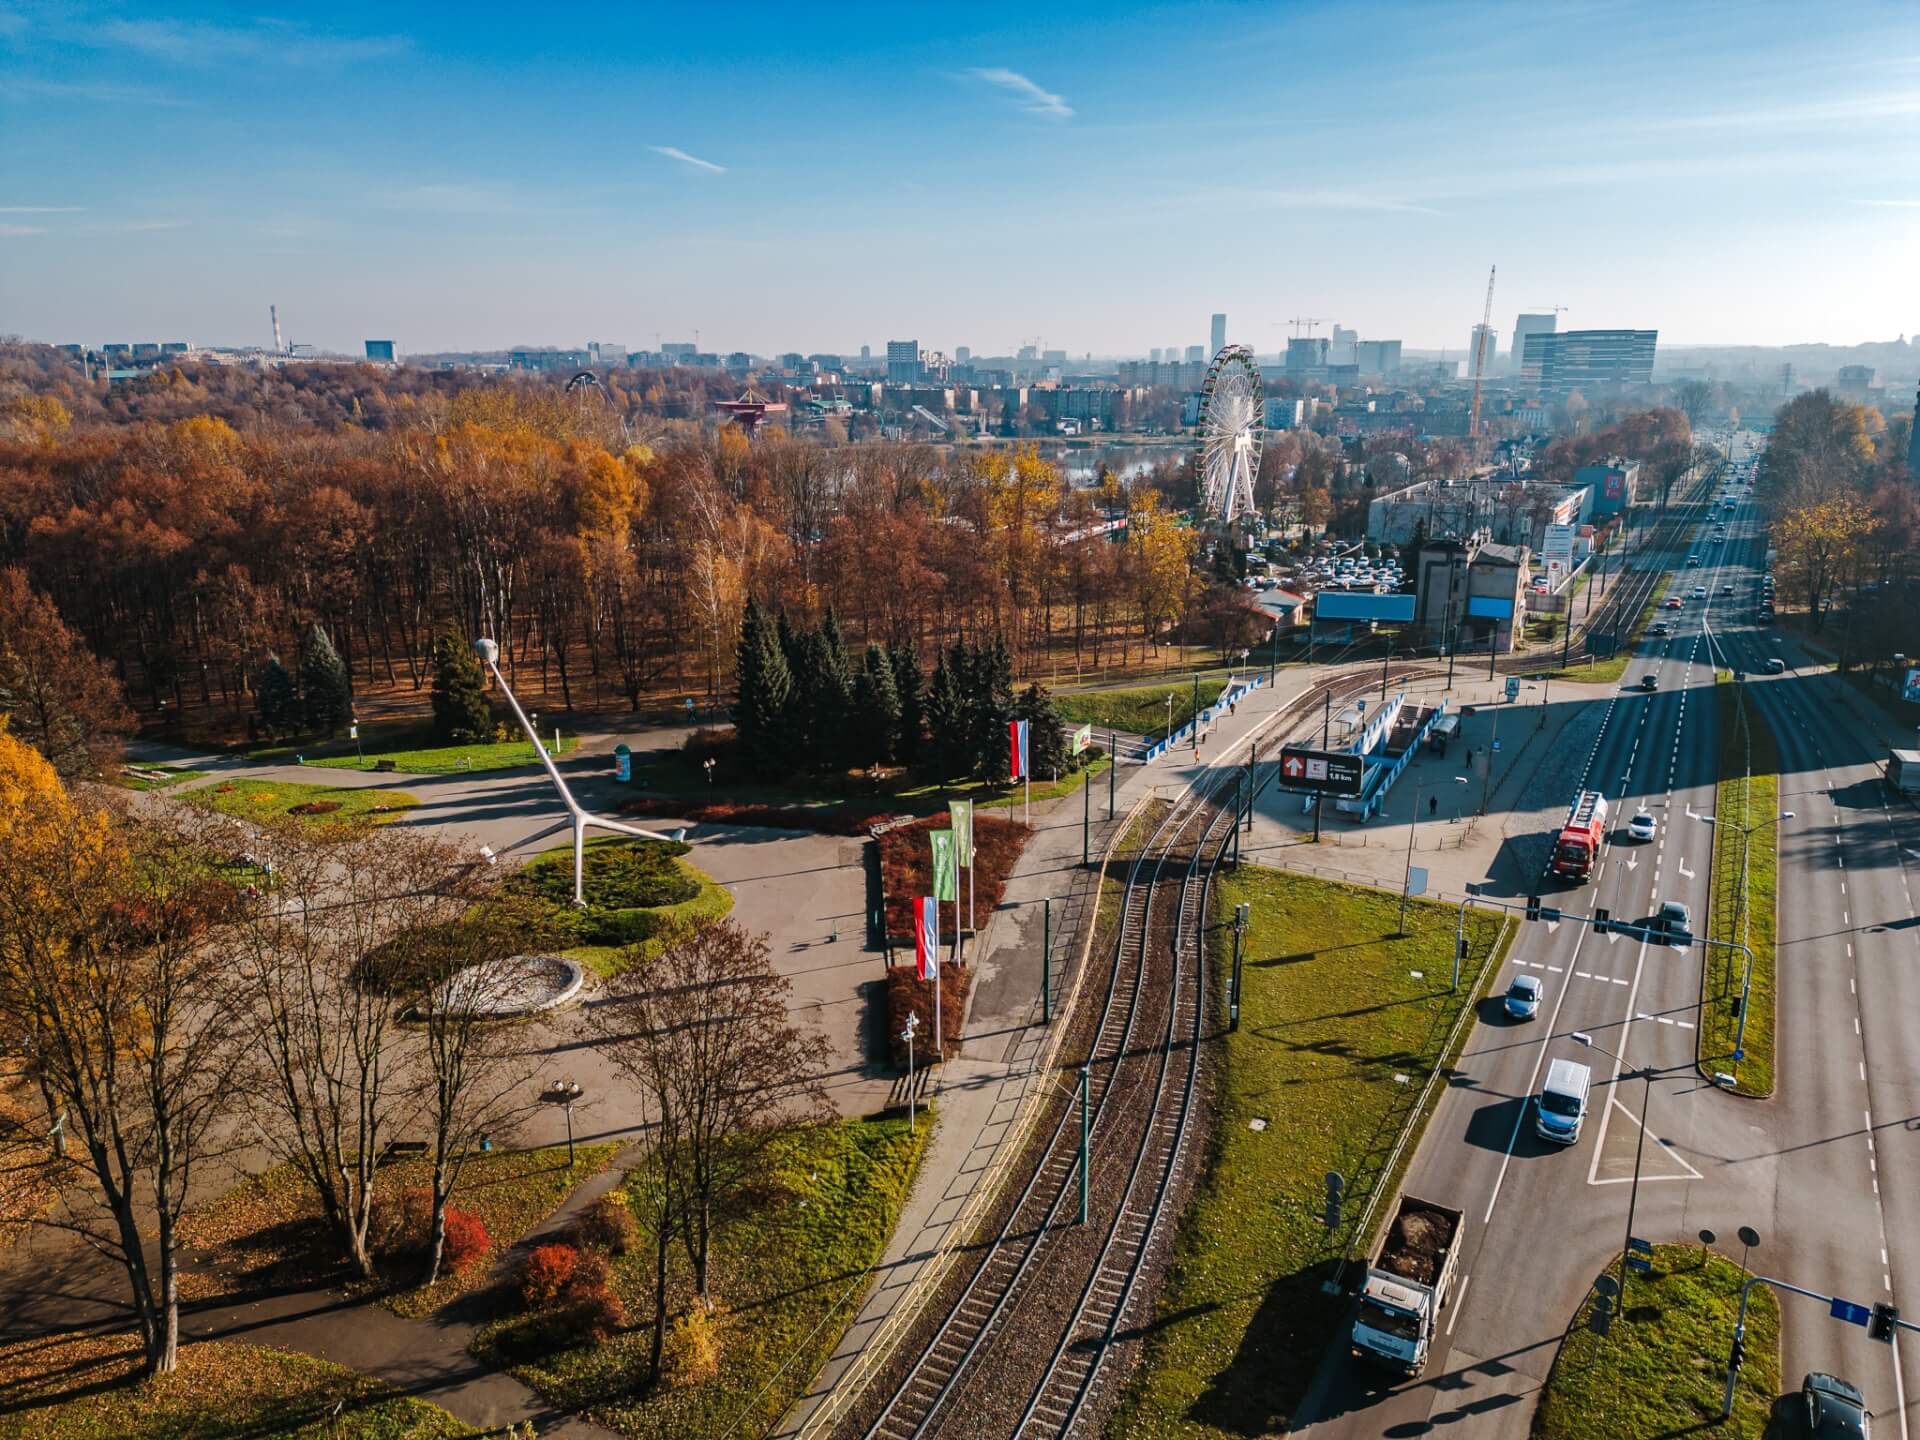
(1578,848)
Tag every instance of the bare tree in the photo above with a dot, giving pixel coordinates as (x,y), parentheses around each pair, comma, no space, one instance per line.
(331,1070)
(116,992)
(478,1072)
(706,1031)
(63,701)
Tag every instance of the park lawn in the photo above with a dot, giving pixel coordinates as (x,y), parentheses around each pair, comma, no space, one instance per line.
(156,777)
(269,800)
(449,759)
(1136,710)
(267,1230)
(80,1386)
(1330,1019)
(789,1273)
(1662,1368)
(1739,802)
(641,928)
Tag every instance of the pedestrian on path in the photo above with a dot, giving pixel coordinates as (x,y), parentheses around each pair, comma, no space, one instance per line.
(1433,804)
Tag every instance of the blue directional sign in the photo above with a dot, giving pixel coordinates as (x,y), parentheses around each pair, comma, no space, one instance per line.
(1634,1242)
(1851,1313)
(1640,1263)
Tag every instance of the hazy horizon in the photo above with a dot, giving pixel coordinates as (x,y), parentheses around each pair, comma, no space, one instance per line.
(1091,179)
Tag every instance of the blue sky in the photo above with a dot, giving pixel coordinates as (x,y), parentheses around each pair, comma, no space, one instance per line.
(1098,178)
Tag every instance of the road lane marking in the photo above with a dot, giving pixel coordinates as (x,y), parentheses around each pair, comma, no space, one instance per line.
(1458,1295)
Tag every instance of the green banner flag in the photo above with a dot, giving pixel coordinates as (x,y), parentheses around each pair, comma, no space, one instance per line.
(962,813)
(946,873)
(1082,738)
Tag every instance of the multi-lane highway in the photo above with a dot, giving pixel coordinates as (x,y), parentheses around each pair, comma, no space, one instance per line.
(1826,1171)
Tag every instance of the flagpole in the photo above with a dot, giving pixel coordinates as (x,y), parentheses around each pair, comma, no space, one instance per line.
(1027,781)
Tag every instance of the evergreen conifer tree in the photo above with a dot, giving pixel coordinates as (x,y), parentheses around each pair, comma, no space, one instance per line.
(876,709)
(275,697)
(323,678)
(993,708)
(908,686)
(1046,741)
(461,710)
(948,743)
(766,694)
(827,701)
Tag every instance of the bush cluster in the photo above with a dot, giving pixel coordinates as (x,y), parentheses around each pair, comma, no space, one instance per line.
(630,875)
(566,1285)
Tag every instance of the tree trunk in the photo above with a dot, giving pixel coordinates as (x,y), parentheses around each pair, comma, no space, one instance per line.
(663,1238)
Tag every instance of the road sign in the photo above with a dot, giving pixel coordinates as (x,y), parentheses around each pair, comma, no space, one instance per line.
(1417,880)
(1634,1242)
(1851,1313)
(1549,912)
(1326,771)
(1495,747)
(1640,1264)
(1911,690)
(1513,687)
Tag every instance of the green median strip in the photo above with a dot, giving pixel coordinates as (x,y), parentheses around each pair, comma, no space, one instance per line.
(1136,710)
(1341,1022)
(1745,810)
(1661,1367)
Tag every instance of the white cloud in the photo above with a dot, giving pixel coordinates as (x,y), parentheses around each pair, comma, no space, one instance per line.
(1343,200)
(198,43)
(8,232)
(673,152)
(41,209)
(143,225)
(1030,96)
(1890,204)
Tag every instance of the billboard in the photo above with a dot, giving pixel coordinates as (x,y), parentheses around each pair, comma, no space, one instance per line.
(1613,486)
(1329,772)
(1911,691)
(1489,607)
(1557,547)
(1360,605)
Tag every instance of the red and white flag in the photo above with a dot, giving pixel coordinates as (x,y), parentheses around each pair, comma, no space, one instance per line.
(926,936)
(1017,735)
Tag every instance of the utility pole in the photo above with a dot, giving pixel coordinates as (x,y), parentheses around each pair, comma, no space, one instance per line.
(1326,736)
(1493,749)
(1046,961)
(1240,913)
(1113,770)
(1083,1144)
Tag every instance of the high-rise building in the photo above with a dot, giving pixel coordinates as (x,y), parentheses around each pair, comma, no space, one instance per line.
(1219,333)
(380,350)
(1913,440)
(1523,326)
(1306,352)
(962,354)
(1377,357)
(1154,354)
(605,352)
(1197,353)
(1341,351)
(866,352)
(1588,360)
(903,362)
(1473,348)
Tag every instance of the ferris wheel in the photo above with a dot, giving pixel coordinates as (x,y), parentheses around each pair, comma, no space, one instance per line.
(1232,424)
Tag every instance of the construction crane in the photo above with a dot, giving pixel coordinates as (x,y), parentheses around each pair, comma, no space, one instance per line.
(1309,321)
(1480,356)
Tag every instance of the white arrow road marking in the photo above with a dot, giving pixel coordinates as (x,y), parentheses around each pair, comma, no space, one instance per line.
(1686,873)
(1632,864)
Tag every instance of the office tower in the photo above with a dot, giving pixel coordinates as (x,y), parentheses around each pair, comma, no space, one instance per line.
(1219,333)
(1523,326)
(1589,360)
(903,362)
(380,350)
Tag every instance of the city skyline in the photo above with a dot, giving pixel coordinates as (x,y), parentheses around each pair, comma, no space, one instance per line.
(463,180)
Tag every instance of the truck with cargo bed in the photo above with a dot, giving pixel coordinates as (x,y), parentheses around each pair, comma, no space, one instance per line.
(1407,1285)
(1903,771)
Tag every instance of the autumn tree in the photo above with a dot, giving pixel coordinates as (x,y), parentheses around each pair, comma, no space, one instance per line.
(121,1001)
(706,1029)
(62,700)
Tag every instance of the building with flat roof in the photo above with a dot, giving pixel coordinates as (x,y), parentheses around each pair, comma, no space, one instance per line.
(1523,326)
(380,350)
(1557,364)
(1377,357)
(1219,333)
(1913,440)
(1306,352)
(903,362)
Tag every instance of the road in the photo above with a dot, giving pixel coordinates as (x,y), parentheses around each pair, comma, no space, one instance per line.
(1830,1206)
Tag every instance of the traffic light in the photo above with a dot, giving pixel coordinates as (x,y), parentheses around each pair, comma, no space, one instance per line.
(1739,1356)
(1461,947)
(1533,907)
(1600,920)
(1884,1321)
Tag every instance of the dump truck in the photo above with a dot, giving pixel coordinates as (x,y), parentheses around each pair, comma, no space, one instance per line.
(1578,847)
(1407,1285)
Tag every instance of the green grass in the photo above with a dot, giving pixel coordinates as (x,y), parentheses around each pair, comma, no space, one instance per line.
(265,800)
(1662,1368)
(614,936)
(446,759)
(1740,802)
(1330,1018)
(788,1276)
(1138,710)
(161,778)
(221,1391)
(1611,670)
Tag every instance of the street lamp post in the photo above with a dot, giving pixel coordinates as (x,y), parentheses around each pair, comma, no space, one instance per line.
(913,1024)
(1739,905)
(565,1093)
(1406,882)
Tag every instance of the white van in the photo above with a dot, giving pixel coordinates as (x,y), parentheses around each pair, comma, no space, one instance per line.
(1563,1102)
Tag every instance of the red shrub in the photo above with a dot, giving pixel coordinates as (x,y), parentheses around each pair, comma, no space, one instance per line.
(546,1274)
(467,1239)
(908,994)
(608,1225)
(596,1315)
(906,870)
(825,819)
